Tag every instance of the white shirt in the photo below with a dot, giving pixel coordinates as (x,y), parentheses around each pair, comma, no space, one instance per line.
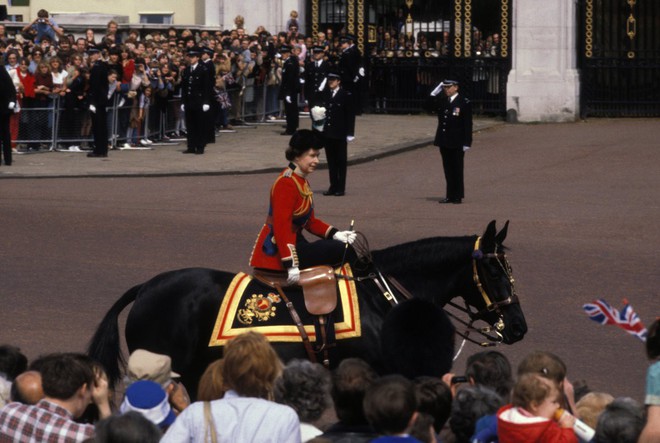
(237,419)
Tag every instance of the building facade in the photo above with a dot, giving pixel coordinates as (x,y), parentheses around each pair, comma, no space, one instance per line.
(528,60)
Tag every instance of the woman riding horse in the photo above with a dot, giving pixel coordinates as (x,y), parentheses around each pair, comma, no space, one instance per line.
(281,245)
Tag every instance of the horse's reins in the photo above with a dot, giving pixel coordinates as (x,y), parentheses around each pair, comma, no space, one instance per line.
(496,307)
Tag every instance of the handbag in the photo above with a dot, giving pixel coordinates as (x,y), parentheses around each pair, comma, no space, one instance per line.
(209,423)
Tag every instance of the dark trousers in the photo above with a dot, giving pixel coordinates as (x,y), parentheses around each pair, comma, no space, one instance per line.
(336,152)
(5,137)
(291,111)
(324,252)
(452,163)
(196,121)
(100,130)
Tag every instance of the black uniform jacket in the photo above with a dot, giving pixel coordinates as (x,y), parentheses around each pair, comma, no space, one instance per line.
(195,86)
(98,85)
(7,93)
(454,122)
(339,114)
(290,78)
(314,76)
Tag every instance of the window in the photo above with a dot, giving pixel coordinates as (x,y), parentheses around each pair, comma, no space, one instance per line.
(156,18)
(18,2)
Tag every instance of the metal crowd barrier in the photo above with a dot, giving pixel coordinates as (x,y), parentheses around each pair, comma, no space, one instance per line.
(54,124)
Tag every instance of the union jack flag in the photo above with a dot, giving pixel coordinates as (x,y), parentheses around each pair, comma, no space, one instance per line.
(600,311)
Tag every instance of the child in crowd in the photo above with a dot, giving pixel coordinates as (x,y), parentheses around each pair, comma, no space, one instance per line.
(390,407)
(224,104)
(531,417)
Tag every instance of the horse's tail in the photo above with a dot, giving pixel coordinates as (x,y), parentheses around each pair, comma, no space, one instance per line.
(104,346)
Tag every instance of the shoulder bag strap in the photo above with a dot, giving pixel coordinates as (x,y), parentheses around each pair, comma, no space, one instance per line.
(209,423)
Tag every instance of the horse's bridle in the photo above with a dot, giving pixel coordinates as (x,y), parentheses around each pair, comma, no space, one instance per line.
(492,333)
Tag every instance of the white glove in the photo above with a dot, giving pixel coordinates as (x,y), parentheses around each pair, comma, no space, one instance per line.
(355,80)
(122,102)
(345,236)
(361,72)
(465,148)
(302,81)
(294,276)
(437,89)
(92,109)
(183,108)
(288,99)
(12,105)
(322,85)
(205,108)
(350,138)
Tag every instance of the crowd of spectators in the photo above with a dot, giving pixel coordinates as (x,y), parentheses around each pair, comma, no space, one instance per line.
(50,71)
(250,395)
(434,41)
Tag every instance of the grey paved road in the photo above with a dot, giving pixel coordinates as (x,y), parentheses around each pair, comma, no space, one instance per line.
(582,200)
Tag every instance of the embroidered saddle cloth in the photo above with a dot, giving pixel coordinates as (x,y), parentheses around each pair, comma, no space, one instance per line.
(250,304)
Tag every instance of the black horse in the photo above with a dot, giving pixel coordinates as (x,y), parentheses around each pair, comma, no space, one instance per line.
(174,313)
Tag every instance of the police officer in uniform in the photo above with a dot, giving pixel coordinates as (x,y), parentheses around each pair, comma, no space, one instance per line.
(338,130)
(316,71)
(289,89)
(207,62)
(196,101)
(453,136)
(98,101)
(351,70)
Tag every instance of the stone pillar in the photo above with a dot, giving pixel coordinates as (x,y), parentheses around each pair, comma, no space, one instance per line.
(543,84)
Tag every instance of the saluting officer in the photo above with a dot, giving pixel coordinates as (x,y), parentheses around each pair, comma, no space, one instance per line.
(338,130)
(196,101)
(316,71)
(99,90)
(351,70)
(289,89)
(453,136)
(206,59)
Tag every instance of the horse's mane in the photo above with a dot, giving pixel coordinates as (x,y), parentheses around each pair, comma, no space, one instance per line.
(419,255)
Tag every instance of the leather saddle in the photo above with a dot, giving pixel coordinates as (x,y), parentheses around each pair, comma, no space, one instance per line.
(318,283)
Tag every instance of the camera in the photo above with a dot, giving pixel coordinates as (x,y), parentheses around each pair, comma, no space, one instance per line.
(458,379)
(42,20)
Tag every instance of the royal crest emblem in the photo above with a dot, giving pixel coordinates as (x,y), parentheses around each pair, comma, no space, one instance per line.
(258,307)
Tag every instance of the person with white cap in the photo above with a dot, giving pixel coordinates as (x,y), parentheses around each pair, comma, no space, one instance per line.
(146,365)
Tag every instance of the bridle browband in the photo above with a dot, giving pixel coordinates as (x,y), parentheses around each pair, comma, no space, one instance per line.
(492,333)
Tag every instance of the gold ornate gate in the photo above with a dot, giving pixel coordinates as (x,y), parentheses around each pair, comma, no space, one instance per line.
(619,59)
(410,45)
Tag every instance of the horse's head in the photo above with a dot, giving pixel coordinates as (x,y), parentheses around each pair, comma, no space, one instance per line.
(494,296)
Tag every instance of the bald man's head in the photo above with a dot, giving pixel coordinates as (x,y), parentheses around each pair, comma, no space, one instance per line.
(27,388)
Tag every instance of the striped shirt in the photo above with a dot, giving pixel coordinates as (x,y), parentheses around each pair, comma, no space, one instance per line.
(44,422)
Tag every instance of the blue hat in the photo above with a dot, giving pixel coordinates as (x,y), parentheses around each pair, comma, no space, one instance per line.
(334,74)
(318,49)
(149,399)
(93,50)
(447,82)
(285,48)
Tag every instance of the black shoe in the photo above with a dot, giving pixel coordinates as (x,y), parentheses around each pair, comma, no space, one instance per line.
(339,193)
(457,201)
(199,152)
(92,154)
(286,133)
(446,200)
(329,192)
(189,151)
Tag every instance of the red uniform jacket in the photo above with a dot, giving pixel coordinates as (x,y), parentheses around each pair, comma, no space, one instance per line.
(291,210)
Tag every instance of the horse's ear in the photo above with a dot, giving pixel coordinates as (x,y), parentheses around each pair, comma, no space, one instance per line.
(489,233)
(499,238)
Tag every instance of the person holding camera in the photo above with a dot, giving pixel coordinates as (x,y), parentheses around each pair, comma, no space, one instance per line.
(43,26)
